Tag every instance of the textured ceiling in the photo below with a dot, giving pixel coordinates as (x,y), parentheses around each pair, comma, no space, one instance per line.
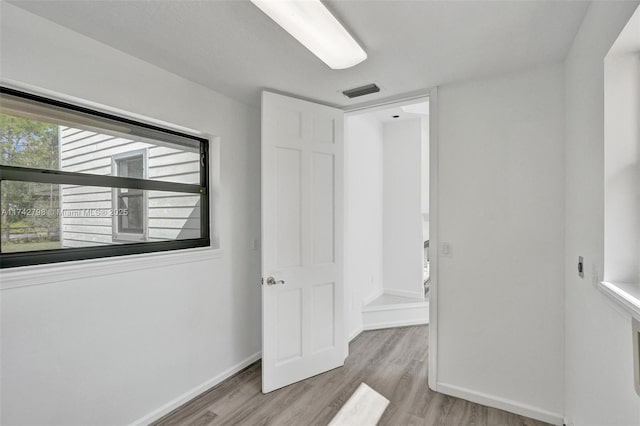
(233,48)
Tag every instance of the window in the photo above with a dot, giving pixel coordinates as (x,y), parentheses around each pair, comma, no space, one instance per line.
(621,157)
(131,226)
(79,184)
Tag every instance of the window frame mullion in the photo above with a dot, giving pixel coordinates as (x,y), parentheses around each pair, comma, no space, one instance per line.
(25,174)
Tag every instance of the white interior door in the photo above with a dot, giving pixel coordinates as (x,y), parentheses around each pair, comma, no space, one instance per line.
(302,240)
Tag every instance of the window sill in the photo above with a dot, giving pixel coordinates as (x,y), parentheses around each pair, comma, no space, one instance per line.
(44,274)
(626,295)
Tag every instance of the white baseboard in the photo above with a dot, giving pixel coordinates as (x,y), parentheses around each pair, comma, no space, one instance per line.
(398,307)
(356,333)
(373,296)
(392,324)
(400,314)
(189,395)
(501,403)
(405,293)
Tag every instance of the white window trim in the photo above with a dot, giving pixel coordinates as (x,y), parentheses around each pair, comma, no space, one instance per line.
(626,296)
(52,273)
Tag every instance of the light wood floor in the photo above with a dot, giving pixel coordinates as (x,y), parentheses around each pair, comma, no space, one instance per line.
(393,362)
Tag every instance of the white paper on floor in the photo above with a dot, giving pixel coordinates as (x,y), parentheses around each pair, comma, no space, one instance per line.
(364,408)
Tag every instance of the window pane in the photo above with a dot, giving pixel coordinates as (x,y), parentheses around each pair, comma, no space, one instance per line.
(28,143)
(132,167)
(25,216)
(32,135)
(132,201)
(173,215)
(38,216)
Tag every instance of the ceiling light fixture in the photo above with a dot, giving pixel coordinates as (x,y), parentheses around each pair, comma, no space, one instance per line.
(311,23)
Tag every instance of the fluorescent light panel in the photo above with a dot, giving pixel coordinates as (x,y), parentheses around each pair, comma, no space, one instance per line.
(311,23)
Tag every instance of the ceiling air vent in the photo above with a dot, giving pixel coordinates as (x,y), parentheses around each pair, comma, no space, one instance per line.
(361,91)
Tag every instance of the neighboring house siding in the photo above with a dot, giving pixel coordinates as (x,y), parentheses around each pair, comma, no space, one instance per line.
(169,216)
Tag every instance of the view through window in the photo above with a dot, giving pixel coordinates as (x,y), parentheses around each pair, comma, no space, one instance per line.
(77,184)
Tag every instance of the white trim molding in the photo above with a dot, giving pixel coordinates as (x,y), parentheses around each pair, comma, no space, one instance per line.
(25,276)
(189,395)
(625,295)
(395,315)
(501,403)
(404,293)
(397,307)
(394,324)
(355,334)
(373,296)
(434,236)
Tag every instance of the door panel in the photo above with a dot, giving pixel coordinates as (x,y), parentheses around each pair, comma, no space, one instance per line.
(288,207)
(323,313)
(323,229)
(289,306)
(302,189)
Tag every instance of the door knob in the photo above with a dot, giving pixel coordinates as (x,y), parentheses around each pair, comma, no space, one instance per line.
(272,281)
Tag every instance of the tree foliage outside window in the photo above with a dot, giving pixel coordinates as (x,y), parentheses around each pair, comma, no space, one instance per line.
(28,143)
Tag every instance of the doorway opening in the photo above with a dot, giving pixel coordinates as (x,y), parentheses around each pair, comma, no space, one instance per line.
(344,203)
(387,261)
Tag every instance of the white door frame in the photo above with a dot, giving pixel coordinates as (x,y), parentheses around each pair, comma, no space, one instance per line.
(434,241)
(434,237)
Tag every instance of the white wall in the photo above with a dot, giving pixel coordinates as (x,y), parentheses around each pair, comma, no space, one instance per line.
(108,350)
(501,207)
(599,375)
(363,214)
(402,170)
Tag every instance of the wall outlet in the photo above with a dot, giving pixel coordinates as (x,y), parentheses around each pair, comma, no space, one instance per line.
(446,250)
(255,244)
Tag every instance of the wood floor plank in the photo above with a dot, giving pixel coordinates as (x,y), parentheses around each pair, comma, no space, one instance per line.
(204,419)
(241,394)
(263,414)
(196,406)
(393,362)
